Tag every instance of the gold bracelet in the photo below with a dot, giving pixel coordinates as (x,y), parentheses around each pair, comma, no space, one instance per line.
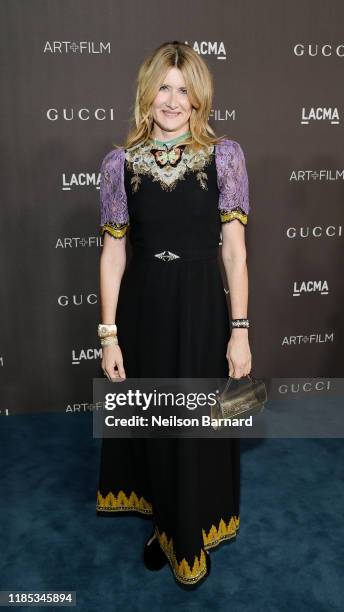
(105,330)
(108,334)
(109,340)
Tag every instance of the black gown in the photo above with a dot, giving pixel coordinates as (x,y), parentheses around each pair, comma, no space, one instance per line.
(172,318)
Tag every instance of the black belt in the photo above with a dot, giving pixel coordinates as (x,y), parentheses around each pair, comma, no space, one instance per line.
(174,255)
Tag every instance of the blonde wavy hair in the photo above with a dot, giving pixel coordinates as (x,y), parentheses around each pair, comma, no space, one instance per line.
(199,83)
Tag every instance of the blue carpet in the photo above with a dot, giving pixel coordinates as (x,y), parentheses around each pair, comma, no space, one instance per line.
(288,553)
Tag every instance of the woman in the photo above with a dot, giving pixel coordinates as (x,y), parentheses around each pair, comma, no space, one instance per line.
(174,187)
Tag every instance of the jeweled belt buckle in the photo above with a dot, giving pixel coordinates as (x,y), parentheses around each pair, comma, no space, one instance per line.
(166,255)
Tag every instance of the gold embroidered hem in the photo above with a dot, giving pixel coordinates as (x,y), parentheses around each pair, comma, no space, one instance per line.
(113,503)
(181,569)
(229,215)
(224,532)
(118,230)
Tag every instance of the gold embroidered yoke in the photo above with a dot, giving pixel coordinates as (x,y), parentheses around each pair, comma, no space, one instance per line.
(167,165)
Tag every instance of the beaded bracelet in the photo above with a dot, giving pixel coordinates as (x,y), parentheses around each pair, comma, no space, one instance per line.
(240,323)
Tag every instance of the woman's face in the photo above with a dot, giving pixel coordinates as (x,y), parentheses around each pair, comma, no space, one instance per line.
(171,108)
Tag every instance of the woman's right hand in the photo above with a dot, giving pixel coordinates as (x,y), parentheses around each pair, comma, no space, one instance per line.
(112,362)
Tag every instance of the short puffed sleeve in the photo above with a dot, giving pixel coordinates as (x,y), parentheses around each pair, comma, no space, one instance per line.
(232,182)
(114,217)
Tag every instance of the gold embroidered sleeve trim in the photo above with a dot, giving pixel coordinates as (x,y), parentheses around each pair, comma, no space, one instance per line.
(229,215)
(117,230)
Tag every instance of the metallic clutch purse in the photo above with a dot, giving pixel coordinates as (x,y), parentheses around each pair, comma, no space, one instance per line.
(246,399)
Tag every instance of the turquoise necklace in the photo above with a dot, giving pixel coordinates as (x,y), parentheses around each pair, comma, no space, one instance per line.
(171,141)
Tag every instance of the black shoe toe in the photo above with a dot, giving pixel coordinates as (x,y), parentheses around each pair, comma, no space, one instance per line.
(153,556)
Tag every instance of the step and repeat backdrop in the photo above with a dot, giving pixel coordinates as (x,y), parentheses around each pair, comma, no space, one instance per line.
(68,85)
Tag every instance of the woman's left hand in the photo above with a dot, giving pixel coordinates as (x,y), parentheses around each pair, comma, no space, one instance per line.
(238,354)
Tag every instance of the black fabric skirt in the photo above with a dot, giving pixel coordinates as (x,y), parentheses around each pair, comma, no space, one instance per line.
(172,320)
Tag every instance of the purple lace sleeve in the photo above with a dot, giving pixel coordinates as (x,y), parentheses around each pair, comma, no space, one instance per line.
(114,217)
(232,182)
